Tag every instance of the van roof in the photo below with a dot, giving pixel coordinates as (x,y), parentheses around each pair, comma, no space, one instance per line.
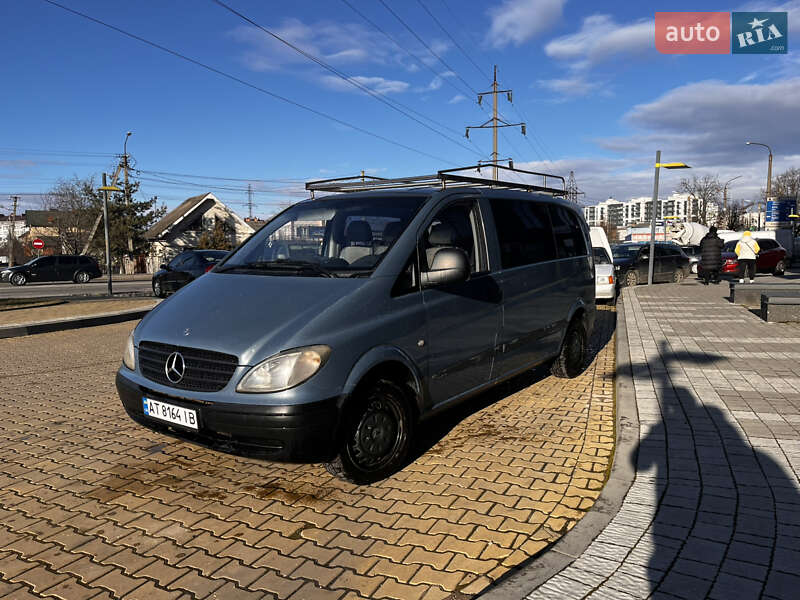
(469,177)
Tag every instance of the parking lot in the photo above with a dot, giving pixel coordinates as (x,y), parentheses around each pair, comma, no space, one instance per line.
(92,505)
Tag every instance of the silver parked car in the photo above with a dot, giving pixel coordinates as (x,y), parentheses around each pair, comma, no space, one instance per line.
(399,304)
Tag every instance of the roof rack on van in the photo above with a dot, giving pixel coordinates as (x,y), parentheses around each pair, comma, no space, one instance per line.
(444,178)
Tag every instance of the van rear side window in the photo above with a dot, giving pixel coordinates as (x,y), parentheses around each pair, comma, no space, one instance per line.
(524,232)
(570,240)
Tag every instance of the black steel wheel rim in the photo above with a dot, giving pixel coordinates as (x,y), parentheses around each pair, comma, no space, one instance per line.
(378,434)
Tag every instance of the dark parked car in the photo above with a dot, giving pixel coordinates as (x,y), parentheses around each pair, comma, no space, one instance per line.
(631,262)
(182,269)
(771,258)
(59,267)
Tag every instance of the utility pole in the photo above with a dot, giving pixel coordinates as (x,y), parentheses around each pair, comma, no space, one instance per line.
(495,122)
(572,188)
(12,234)
(127,191)
(250,200)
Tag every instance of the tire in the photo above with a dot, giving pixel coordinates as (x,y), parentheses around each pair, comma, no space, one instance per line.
(780,268)
(158,291)
(377,434)
(678,275)
(569,362)
(18,279)
(82,277)
(631,278)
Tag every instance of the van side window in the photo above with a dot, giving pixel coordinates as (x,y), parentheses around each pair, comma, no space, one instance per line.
(524,232)
(570,241)
(456,226)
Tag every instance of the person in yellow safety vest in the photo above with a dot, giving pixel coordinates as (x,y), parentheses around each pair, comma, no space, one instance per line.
(747,250)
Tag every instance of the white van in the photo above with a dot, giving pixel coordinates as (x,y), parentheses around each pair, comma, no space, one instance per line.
(605,283)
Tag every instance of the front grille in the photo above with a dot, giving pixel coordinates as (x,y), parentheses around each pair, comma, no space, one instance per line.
(206,371)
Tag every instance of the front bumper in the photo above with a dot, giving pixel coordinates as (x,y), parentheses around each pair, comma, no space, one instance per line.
(293,433)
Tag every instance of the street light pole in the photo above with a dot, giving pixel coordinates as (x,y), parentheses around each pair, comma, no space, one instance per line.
(769,179)
(725,193)
(653,221)
(653,212)
(105,189)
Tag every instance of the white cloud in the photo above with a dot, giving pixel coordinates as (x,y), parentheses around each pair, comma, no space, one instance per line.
(457,98)
(600,38)
(377,84)
(704,124)
(571,86)
(337,43)
(517,21)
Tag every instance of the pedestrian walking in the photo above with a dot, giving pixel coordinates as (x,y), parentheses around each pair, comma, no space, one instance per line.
(711,256)
(747,250)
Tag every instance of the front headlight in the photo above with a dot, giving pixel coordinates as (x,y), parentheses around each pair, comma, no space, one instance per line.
(129,358)
(285,370)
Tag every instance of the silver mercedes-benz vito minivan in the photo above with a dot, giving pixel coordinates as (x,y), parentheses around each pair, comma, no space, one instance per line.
(349,318)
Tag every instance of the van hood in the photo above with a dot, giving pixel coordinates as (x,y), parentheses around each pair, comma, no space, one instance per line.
(251,316)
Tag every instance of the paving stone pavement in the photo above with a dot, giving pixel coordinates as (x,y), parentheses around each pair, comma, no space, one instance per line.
(94,506)
(714,510)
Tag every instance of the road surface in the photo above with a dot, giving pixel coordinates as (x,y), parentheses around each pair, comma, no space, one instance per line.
(96,287)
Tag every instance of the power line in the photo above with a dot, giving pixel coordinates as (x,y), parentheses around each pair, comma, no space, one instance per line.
(243,179)
(421,41)
(391,103)
(447,33)
(248,84)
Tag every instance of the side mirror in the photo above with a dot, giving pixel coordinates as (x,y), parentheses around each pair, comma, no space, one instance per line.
(450,265)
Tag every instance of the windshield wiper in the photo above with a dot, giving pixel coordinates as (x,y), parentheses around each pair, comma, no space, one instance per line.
(280,266)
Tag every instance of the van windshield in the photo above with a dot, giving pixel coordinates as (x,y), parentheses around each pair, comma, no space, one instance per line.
(332,237)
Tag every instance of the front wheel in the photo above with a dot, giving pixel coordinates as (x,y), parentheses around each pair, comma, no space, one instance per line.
(18,279)
(780,268)
(569,362)
(82,277)
(377,434)
(678,276)
(158,291)
(632,278)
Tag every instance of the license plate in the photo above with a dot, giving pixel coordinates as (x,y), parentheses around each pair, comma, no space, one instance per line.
(170,413)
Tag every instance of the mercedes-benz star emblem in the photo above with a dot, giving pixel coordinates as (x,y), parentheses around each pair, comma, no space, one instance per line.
(175,367)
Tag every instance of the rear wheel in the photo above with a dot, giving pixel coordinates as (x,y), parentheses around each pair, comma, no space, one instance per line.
(780,268)
(82,277)
(632,278)
(569,362)
(377,434)
(678,276)
(19,279)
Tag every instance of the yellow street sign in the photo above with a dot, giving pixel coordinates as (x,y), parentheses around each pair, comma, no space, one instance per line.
(109,188)
(677,165)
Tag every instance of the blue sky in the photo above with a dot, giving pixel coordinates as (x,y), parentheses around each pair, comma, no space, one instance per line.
(597,97)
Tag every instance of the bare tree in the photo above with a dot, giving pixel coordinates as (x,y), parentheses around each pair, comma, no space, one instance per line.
(76,204)
(706,190)
(733,217)
(786,184)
